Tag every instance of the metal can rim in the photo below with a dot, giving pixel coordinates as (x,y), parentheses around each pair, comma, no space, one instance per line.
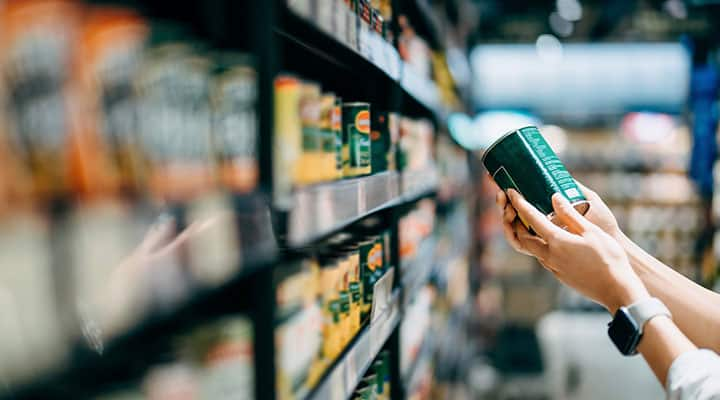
(500,139)
(575,204)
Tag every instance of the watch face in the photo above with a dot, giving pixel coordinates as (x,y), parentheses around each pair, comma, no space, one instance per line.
(624,333)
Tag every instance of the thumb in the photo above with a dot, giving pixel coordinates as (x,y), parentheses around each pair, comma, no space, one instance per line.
(568,215)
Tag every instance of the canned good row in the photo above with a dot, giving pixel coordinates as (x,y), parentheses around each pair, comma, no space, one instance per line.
(323,303)
(320,138)
(349,19)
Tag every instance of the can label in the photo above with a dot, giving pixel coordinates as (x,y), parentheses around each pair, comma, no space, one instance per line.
(524,161)
(558,177)
(356,119)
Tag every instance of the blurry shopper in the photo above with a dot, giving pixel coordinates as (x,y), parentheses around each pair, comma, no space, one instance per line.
(673,322)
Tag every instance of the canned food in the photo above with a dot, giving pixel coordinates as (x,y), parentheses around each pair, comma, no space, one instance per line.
(523,160)
(234,133)
(107,158)
(175,120)
(336,126)
(328,171)
(311,159)
(287,139)
(356,139)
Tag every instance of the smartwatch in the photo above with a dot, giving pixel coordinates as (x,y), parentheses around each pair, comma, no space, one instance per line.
(626,328)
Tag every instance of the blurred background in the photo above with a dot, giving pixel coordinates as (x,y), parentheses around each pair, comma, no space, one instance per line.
(285,199)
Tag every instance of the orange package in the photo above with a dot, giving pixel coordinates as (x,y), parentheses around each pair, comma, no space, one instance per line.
(105,153)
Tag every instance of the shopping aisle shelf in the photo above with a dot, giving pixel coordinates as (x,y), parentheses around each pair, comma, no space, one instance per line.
(368,51)
(344,376)
(418,183)
(326,208)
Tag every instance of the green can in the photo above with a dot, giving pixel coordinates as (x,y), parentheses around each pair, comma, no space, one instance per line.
(524,161)
(356,139)
(367,267)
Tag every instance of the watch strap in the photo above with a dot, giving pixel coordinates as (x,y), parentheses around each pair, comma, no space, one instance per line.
(644,310)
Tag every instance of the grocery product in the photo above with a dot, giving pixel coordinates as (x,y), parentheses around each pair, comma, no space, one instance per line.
(356,138)
(522,160)
(287,139)
(105,155)
(310,166)
(175,119)
(328,124)
(234,129)
(36,39)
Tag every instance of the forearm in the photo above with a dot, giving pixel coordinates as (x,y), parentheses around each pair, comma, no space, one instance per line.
(661,344)
(696,310)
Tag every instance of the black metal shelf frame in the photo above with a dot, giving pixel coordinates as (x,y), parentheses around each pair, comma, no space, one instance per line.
(274,35)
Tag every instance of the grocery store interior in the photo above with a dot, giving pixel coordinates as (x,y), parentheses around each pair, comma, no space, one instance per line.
(313,220)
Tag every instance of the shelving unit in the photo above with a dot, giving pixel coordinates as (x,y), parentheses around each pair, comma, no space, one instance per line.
(344,376)
(372,54)
(323,209)
(417,184)
(282,40)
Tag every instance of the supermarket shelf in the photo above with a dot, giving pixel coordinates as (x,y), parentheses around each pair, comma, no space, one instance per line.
(417,184)
(118,357)
(350,368)
(322,209)
(368,49)
(416,271)
(367,45)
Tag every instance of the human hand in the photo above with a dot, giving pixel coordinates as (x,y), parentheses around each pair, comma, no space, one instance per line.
(583,256)
(599,213)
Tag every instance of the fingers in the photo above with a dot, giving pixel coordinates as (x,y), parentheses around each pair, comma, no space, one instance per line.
(539,222)
(532,244)
(500,199)
(569,216)
(509,232)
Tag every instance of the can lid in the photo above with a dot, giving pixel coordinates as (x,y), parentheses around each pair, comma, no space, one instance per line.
(501,138)
(355,104)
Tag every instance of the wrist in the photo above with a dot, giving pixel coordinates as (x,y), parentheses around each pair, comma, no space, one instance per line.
(625,295)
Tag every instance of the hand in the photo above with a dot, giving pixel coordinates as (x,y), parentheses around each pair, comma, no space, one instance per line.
(583,257)
(599,213)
